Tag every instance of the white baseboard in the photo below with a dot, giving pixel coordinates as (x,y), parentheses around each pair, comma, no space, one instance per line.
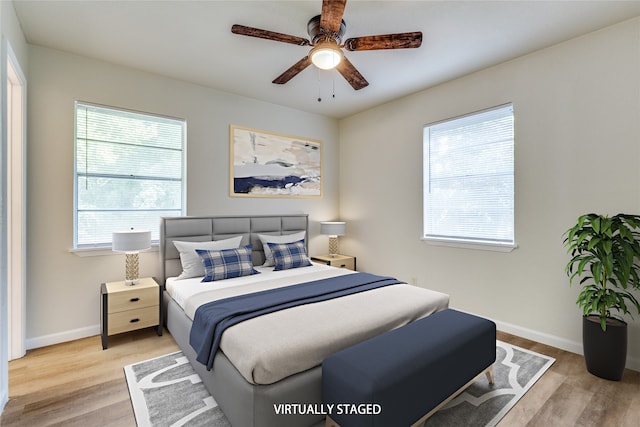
(61,337)
(552,340)
(541,337)
(3,400)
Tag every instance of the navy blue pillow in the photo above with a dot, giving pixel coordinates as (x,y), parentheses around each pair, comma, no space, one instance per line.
(289,255)
(226,263)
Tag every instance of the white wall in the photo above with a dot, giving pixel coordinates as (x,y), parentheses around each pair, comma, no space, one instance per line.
(577,150)
(63,288)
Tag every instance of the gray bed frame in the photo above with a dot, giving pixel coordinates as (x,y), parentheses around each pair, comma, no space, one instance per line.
(244,404)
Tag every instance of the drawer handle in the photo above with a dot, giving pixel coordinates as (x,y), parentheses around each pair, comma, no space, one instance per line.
(134,320)
(134,299)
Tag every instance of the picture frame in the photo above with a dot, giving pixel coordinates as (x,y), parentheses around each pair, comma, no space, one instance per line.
(271,164)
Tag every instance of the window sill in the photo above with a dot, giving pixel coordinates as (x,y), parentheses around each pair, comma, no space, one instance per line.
(103,250)
(485,246)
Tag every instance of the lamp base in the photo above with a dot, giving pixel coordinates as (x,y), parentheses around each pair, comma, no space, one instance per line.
(131,268)
(333,246)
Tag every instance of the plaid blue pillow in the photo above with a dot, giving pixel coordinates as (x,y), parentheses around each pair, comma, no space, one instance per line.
(226,263)
(289,255)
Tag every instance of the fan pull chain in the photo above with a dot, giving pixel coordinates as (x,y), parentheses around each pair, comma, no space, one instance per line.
(333,87)
(319,86)
(333,84)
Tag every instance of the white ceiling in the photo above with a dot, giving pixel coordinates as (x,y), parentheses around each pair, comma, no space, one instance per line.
(192,41)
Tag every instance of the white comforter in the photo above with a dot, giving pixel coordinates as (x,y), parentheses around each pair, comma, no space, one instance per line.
(271,347)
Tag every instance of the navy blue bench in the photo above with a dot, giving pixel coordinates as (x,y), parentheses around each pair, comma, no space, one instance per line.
(402,377)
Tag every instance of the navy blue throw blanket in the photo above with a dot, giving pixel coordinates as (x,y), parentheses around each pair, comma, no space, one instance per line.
(213,318)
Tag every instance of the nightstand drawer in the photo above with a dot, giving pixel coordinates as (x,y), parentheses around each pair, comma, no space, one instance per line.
(133,299)
(340,261)
(126,321)
(343,263)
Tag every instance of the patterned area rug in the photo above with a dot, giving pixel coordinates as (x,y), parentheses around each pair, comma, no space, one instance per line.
(167,392)
(482,404)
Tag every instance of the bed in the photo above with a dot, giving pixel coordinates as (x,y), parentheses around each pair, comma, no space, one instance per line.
(259,364)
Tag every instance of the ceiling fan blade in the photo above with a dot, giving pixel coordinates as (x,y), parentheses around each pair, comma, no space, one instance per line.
(385,41)
(353,76)
(293,71)
(269,35)
(331,16)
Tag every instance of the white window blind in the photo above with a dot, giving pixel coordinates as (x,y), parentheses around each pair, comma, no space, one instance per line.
(128,172)
(469,178)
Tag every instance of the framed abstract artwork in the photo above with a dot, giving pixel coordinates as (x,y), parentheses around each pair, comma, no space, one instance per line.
(269,164)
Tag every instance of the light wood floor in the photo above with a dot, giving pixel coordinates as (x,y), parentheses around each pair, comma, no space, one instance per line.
(79,384)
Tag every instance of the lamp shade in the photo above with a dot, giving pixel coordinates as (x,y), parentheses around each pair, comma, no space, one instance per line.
(131,240)
(333,228)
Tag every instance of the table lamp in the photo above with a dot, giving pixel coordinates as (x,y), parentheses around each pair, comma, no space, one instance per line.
(333,229)
(131,242)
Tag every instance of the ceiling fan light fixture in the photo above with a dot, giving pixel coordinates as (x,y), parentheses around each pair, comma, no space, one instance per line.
(326,56)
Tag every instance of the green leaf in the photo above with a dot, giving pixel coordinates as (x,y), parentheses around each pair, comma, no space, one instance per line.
(581,220)
(596,271)
(593,242)
(583,235)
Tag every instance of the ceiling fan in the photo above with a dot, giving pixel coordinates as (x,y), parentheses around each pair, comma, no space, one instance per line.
(326,31)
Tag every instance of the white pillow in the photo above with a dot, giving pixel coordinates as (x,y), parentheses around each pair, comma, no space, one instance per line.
(268,238)
(191,262)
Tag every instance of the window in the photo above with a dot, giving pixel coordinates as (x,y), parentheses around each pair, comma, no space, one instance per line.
(468,179)
(128,172)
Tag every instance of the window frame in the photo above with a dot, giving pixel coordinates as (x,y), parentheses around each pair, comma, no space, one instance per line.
(103,248)
(468,242)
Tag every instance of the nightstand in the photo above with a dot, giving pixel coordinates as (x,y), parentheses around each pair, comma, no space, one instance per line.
(127,308)
(341,261)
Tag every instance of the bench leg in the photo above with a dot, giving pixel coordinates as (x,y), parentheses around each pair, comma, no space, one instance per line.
(489,374)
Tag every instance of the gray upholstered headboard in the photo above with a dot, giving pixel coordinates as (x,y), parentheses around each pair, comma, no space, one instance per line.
(200,229)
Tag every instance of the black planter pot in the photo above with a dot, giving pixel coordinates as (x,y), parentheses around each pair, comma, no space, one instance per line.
(605,352)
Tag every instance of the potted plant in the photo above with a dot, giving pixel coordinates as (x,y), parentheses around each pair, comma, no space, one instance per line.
(604,253)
